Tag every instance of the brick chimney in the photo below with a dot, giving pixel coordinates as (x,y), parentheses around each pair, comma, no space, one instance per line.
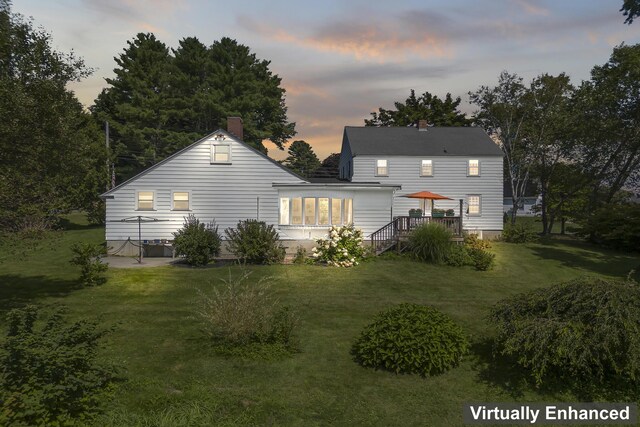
(423,125)
(234,127)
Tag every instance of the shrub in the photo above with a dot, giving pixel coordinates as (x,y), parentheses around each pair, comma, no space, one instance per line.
(471,240)
(431,243)
(97,212)
(616,226)
(255,242)
(411,339)
(301,256)
(481,259)
(242,313)
(88,257)
(521,232)
(585,331)
(458,256)
(50,374)
(343,247)
(197,242)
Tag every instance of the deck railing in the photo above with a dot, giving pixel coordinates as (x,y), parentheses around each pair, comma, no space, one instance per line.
(388,236)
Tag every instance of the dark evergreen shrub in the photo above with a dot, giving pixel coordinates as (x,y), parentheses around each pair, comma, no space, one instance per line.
(616,226)
(411,339)
(481,259)
(197,242)
(255,242)
(50,373)
(585,332)
(521,232)
(431,243)
(458,256)
(89,258)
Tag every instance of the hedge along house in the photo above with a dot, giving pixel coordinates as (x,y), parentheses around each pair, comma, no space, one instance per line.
(221,178)
(461,163)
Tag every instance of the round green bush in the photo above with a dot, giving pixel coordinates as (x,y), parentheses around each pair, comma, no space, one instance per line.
(431,243)
(411,339)
(585,331)
(197,242)
(255,242)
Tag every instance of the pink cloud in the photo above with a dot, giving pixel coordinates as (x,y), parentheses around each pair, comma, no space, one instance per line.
(530,7)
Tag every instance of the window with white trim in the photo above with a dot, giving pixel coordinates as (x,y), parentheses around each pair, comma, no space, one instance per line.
(144,200)
(473,203)
(426,168)
(336,211)
(220,153)
(296,211)
(180,200)
(382,167)
(309,211)
(323,211)
(315,211)
(284,210)
(474,168)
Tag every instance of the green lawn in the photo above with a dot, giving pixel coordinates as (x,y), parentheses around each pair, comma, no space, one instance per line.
(173,377)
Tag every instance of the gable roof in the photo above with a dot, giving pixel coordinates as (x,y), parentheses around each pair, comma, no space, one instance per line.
(188,147)
(409,141)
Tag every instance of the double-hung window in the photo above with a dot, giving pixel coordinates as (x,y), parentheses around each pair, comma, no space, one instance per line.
(382,167)
(145,200)
(426,168)
(473,202)
(474,168)
(220,153)
(315,211)
(180,200)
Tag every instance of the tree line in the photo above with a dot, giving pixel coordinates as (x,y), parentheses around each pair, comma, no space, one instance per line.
(578,143)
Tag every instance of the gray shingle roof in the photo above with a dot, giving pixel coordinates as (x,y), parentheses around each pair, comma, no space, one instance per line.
(406,141)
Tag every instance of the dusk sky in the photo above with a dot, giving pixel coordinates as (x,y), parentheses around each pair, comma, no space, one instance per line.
(340,60)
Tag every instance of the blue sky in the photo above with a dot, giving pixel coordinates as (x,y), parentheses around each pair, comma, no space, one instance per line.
(341,60)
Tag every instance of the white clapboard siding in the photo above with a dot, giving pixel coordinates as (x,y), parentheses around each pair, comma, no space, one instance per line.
(224,192)
(449,179)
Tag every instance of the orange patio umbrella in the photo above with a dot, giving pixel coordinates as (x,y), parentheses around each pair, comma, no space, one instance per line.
(426,195)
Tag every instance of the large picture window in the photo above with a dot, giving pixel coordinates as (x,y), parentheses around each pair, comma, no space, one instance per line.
(316,211)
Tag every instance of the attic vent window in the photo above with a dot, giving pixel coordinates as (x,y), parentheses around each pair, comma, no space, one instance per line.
(220,137)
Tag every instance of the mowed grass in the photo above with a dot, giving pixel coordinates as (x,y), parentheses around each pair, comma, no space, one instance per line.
(173,377)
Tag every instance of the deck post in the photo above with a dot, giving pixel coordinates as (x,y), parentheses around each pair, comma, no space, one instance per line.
(460,223)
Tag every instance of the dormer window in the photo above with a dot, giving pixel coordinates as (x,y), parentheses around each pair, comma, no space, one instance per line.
(426,168)
(474,168)
(220,153)
(382,168)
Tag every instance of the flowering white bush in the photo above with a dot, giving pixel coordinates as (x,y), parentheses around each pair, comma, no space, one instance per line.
(343,247)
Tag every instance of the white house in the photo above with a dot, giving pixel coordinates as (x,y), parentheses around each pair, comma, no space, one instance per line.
(461,163)
(221,178)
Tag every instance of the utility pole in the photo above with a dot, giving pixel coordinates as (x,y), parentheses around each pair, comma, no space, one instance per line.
(106,141)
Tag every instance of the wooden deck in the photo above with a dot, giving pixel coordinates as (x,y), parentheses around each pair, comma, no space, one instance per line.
(398,230)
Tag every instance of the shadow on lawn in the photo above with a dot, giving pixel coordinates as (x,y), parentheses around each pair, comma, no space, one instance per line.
(505,373)
(582,255)
(16,290)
